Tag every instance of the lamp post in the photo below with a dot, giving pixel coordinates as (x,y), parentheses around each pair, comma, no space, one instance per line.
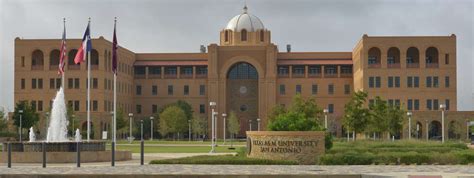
(326,111)
(212,105)
(189,130)
(21,121)
(467,129)
(442,107)
(73,129)
(258,124)
(141,130)
(223,117)
(130,115)
(409,124)
(250,125)
(427,130)
(151,134)
(417,131)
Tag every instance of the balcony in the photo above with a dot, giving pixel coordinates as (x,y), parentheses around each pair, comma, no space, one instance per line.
(37,67)
(315,75)
(297,75)
(393,65)
(432,65)
(186,76)
(283,75)
(201,75)
(330,75)
(171,76)
(346,75)
(139,76)
(94,67)
(154,76)
(413,65)
(375,65)
(74,67)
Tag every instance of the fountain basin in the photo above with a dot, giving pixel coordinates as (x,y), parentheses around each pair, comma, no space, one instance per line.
(55,146)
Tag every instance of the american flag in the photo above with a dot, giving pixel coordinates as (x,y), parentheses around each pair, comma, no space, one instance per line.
(62,55)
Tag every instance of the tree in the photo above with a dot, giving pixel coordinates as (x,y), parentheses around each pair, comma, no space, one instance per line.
(233,125)
(29,116)
(121,120)
(199,126)
(395,118)
(73,120)
(173,120)
(277,110)
(356,114)
(378,116)
(3,121)
(308,107)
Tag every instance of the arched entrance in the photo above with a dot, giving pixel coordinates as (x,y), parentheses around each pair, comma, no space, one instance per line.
(435,130)
(242,95)
(418,130)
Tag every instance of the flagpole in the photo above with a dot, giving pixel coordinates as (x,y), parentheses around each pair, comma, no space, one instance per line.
(115,93)
(89,88)
(62,65)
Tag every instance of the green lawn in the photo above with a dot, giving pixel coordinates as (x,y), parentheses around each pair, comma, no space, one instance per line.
(219,142)
(172,149)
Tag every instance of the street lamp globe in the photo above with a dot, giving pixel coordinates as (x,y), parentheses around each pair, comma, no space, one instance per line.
(325,111)
(224,115)
(409,113)
(442,106)
(130,114)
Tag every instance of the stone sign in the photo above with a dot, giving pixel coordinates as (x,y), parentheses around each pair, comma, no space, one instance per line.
(302,146)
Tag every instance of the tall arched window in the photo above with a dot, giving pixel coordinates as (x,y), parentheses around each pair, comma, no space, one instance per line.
(37,58)
(262,35)
(431,56)
(94,57)
(54,57)
(413,57)
(226,35)
(70,59)
(393,57)
(243,35)
(374,57)
(242,70)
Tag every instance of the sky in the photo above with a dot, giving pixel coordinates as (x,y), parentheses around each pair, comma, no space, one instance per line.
(161,26)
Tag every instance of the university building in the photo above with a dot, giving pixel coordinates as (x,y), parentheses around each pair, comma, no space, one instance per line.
(248,74)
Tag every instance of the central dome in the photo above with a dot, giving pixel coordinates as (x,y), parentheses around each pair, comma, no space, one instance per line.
(245,21)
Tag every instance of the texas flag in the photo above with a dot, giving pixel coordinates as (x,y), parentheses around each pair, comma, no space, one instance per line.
(86,46)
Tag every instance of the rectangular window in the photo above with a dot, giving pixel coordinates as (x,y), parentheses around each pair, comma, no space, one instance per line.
(409,82)
(40,105)
(397,82)
(298,70)
(347,89)
(105,106)
(378,82)
(314,70)
(410,104)
(314,89)
(416,104)
(446,102)
(283,70)
(186,71)
(201,70)
(435,104)
(95,105)
(331,108)
(446,81)
(282,90)
(33,83)
(298,89)
(331,89)
(171,70)
(397,103)
(170,89)
(154,90)
(416,82)
(429,104)
(139,90)
(95,83)
(154,108)
(33,105)
(371,82)
(51,83)
(428,82)
(390,102)
(371,102)
(202,108)
(22,61)
(22,83)
(77,105)
(435,82)
(390,82)
(58,83)
(186,90)
(138,109)
(105,84)
(76,83)
(202,90)
(70,104)
(40,83)
(446,59)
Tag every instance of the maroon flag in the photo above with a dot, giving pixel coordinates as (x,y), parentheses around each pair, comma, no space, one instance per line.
(114,50)
(62,54)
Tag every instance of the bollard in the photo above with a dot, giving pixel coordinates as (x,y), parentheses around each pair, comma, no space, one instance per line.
(43,147)
(78,155)
(9,147)
(142,150)
(113,153)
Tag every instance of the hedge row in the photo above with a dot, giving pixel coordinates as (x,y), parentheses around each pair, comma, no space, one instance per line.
(228,159)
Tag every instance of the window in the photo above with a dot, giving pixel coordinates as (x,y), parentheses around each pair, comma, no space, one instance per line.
(76,83)
(262,36)
(202,90)
(298,70)
(397,103)
(371,102)
(409,82)
(446,59)
(153,70)
(435,82)
(378,82)
(390,82)
(186,90)
(40,105)
(435,104)
(105,106)
(331,89)
(138,109)
(22,83)
(226,36)
(33,105)
(446,81)
(154,108)
(243,35)
(331,108)
(171,70)
(390,102)
(95,83)
(397,82)
(410,104)
(140,70)
(58,83)
(416,82)
(22,61)
(33,83)
(416,104)
(202,108)
(314,89)
(51,83)
(282,90)
(70,83)
(371,82)
(154,90)
(298,89)
(95,105)
(314,70)
(428,82)
(188,71)
(429,104)
(105,84)
(446,102)
(170,89)
(76,105)
(139,90)
(201,70)
(283,70)
(331,70)
(347,89)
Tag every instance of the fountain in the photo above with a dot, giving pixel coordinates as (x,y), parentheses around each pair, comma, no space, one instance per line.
(62,149)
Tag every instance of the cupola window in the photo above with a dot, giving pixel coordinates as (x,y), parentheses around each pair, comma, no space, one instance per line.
(261,35)
(226,36)
(243,35)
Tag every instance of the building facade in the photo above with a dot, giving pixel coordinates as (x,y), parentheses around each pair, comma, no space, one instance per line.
(248,74)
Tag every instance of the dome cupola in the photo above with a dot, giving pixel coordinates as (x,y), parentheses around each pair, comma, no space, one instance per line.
(246,21)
